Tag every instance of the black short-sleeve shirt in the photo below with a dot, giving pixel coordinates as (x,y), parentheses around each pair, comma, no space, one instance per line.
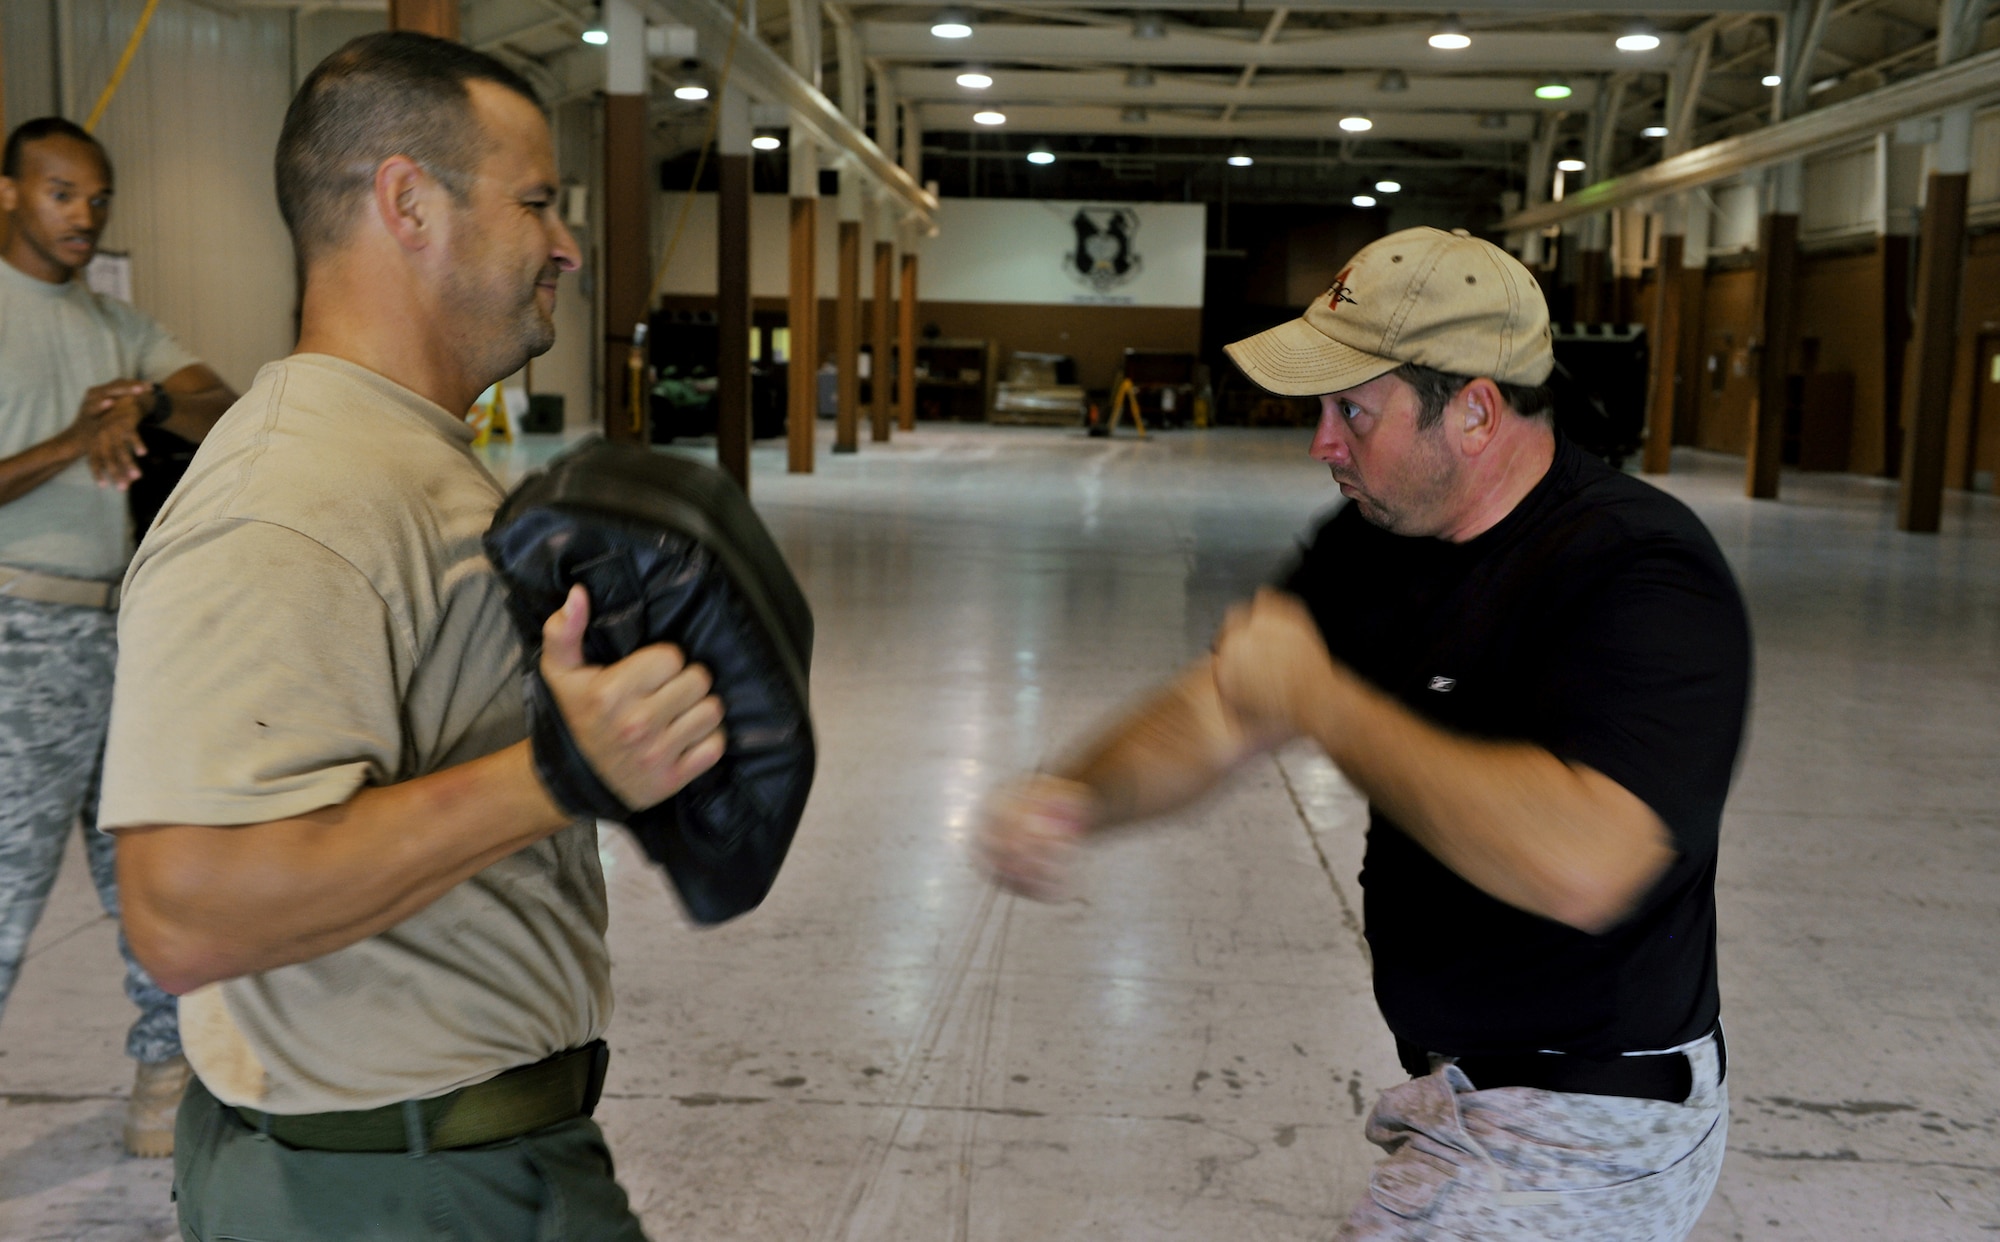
(1598,620)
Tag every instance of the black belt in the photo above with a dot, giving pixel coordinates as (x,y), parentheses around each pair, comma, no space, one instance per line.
(1667,1076)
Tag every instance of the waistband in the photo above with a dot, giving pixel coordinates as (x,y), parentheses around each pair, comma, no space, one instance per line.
(520,1101)
(1667,1076)
(44,588)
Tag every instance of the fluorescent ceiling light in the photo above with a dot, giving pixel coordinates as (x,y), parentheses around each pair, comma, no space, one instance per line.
(691,92)
(1653,131)
(989,118)
(973,81)
(595,36)
(1364,200)
(767,142)
(1239,156)
(1772,79)
(1451,36)
(1356,124)
(952,24)
(1041,157)
(1570,165)
(1554,88)
(1638,39)
(1388,187)
(1824,84)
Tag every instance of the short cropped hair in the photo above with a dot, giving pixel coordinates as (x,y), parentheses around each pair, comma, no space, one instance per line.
(385,94)
(46,127)
(1435,389)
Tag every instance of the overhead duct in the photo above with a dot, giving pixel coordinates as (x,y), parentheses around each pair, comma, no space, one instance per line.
(1967,81)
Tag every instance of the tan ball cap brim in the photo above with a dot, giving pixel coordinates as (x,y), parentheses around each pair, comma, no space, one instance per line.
(1295,359)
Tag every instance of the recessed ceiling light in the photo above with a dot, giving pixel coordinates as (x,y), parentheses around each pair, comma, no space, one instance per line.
(1653,131)
(1772,79)
(1393,81)
(989,118)
(952,24)
(974,81)
(1364,200)
(1239,156)
(1149,26)
(1824,84)
(691,92)
(595,36)
(1570,165)
(1356,124)
(1451,36)
(1554,88)
(767,142)
(1388,187)
(1041,157)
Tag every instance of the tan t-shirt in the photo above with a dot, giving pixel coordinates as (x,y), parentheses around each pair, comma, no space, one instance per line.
(56,342)
(313,613)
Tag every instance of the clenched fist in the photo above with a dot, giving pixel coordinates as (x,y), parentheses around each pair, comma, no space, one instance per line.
(1030,834)
(1269,660)
(647,724)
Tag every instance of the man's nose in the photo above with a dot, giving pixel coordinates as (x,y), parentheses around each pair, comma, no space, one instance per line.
(1329,446)
(567,254)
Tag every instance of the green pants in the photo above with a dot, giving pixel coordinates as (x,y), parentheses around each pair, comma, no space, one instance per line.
(234,1184)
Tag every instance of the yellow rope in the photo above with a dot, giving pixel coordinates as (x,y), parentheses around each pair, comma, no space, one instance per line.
(701,160)
(124,63)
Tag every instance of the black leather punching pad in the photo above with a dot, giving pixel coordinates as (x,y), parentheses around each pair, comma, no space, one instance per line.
(671,551)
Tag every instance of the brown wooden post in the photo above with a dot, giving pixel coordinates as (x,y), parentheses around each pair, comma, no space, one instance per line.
(881,364)
(847,339)
(1927,404)
(802,317)
(732,287)
(906,346)
(431,17)
(1590,286)
(1665,358)
(1778,288)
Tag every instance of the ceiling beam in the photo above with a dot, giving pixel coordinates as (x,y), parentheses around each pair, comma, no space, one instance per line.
(1969,81)
(1099,119)
(1524,10)
(1426,93)
(1402,46)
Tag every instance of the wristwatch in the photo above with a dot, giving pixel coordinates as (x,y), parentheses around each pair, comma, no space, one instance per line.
(163,408)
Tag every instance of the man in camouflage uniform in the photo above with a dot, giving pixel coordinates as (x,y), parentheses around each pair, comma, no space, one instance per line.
(79,375)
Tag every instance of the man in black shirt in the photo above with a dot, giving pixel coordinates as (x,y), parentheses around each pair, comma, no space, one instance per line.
(1537,671)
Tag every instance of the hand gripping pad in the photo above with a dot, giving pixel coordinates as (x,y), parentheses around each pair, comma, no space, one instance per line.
(671,551)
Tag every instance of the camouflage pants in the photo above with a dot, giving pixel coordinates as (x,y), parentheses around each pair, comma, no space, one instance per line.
(55,700)
(1515,1164)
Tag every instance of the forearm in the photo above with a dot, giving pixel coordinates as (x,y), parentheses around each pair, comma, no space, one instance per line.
(29,469)
(1564,842)
(195,413)
(1165,754)
(202,904)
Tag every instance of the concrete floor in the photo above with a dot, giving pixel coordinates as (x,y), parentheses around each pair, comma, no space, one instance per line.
(888,1050)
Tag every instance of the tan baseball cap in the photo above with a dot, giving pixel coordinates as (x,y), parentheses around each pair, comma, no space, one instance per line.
(1448,301)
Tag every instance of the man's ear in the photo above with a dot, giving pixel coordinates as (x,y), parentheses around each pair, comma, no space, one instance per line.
(405,201)
(1478,408)
(10,195)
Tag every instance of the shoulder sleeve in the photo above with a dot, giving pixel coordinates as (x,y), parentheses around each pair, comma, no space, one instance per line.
(1653,683)
(153,349)
(259,677)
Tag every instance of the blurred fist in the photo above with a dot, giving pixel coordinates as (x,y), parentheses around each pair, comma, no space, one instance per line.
(647,724)
(1029,838)
(1269,658)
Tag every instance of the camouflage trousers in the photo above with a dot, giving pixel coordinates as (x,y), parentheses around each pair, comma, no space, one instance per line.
(55,701)
(1514,1164)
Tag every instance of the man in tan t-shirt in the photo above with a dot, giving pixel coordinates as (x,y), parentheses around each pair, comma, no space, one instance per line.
(389,938)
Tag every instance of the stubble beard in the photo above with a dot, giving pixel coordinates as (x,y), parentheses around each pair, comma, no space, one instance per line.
(1431,480)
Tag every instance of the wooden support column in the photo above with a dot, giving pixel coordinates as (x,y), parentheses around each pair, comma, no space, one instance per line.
(732,287)
(628,259)
(882,369)
(802,317)
(1665,358)
(1590,285)
(1777,300)
(1927,407)
(847,339)
(431,17)
(1694,299)
(906,346)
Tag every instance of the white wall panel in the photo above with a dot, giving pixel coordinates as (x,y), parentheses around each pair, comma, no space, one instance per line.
(1843,194)
(192,133)
(1734,228)
(1984,190)
(1018,250)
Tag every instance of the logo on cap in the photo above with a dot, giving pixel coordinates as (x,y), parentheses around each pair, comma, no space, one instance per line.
(1340,292)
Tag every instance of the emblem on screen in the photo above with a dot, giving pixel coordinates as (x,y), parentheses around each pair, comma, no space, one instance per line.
(1105,256)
